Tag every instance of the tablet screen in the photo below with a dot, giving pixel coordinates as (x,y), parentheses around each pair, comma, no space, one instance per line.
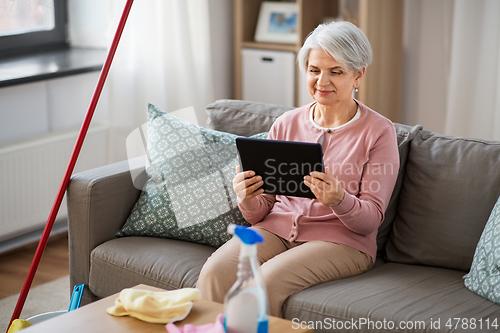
(281,164)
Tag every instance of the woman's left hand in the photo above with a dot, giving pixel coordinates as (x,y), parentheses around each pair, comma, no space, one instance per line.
(325,187)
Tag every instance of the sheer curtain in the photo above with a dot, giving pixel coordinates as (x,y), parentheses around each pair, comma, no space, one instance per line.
(164,58)
(452,67)
(428,25)
(473,101)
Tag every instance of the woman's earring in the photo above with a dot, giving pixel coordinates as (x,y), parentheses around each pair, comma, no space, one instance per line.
(356,89)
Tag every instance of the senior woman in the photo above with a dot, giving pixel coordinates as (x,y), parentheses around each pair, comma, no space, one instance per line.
(310,241)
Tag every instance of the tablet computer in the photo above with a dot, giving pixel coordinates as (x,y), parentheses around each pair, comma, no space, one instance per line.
(281,164)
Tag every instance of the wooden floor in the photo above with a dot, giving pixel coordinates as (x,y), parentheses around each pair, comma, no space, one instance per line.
(14,267)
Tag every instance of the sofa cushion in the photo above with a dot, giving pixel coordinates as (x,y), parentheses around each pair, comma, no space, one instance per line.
(189,195)
(484,276)
(405,134)
(448,192)
(243,117)
(165,263)
(393,293)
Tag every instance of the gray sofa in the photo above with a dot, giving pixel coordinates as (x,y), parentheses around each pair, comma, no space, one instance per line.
(446,189)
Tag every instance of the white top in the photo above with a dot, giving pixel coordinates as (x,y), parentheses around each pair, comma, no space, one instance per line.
(311,119)
(322,137)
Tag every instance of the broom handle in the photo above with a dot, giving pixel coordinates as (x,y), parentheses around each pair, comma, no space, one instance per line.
(71,164)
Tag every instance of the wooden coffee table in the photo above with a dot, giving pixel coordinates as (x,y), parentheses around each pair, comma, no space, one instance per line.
(94,318)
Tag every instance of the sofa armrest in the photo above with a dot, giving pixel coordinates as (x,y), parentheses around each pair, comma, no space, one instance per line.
(99,202)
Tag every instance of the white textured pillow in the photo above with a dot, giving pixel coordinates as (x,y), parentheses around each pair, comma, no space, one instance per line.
(484,275)
(189,194)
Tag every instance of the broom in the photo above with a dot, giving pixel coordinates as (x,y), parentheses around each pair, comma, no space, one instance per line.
(71,164)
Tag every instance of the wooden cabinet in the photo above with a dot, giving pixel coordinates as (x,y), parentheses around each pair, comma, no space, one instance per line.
(382,22)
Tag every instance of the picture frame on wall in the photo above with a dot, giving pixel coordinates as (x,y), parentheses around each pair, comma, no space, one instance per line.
(277,23)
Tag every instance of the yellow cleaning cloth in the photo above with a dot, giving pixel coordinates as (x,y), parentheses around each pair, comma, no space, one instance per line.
(18,324)
(159,307)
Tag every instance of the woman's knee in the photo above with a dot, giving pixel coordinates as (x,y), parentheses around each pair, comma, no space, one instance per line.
(206,271)
(218,273)
(212,268)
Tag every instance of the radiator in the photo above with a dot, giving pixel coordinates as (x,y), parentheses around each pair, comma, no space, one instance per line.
(31,172)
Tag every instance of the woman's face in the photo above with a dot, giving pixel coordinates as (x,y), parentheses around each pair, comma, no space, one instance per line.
(327,81)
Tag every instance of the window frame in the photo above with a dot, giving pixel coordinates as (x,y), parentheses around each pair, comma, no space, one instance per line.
(34,41)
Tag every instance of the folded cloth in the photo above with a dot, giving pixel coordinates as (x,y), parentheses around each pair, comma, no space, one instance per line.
(218,327)
(159,307)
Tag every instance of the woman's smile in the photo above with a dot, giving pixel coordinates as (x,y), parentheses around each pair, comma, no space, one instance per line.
(324,92)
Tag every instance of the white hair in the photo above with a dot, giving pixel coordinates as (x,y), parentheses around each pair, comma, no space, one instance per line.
(344,41)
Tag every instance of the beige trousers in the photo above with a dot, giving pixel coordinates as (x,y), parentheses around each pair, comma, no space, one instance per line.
(287,267)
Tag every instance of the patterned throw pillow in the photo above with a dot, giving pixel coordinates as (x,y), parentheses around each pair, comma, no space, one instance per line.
(189,195)
(484,275)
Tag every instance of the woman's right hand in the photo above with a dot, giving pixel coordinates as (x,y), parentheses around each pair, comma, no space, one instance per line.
(247,185)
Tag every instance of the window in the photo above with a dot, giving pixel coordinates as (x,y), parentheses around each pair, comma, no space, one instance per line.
(27,25)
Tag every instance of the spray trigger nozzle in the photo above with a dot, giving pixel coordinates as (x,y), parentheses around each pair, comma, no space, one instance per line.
(246,235)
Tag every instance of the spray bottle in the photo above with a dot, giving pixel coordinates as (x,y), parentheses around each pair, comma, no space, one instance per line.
(246,307)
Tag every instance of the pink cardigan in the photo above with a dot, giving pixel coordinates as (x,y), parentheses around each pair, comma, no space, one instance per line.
(363,155)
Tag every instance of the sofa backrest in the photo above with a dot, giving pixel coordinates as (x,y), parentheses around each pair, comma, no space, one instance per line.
(243,117)
(449,189)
